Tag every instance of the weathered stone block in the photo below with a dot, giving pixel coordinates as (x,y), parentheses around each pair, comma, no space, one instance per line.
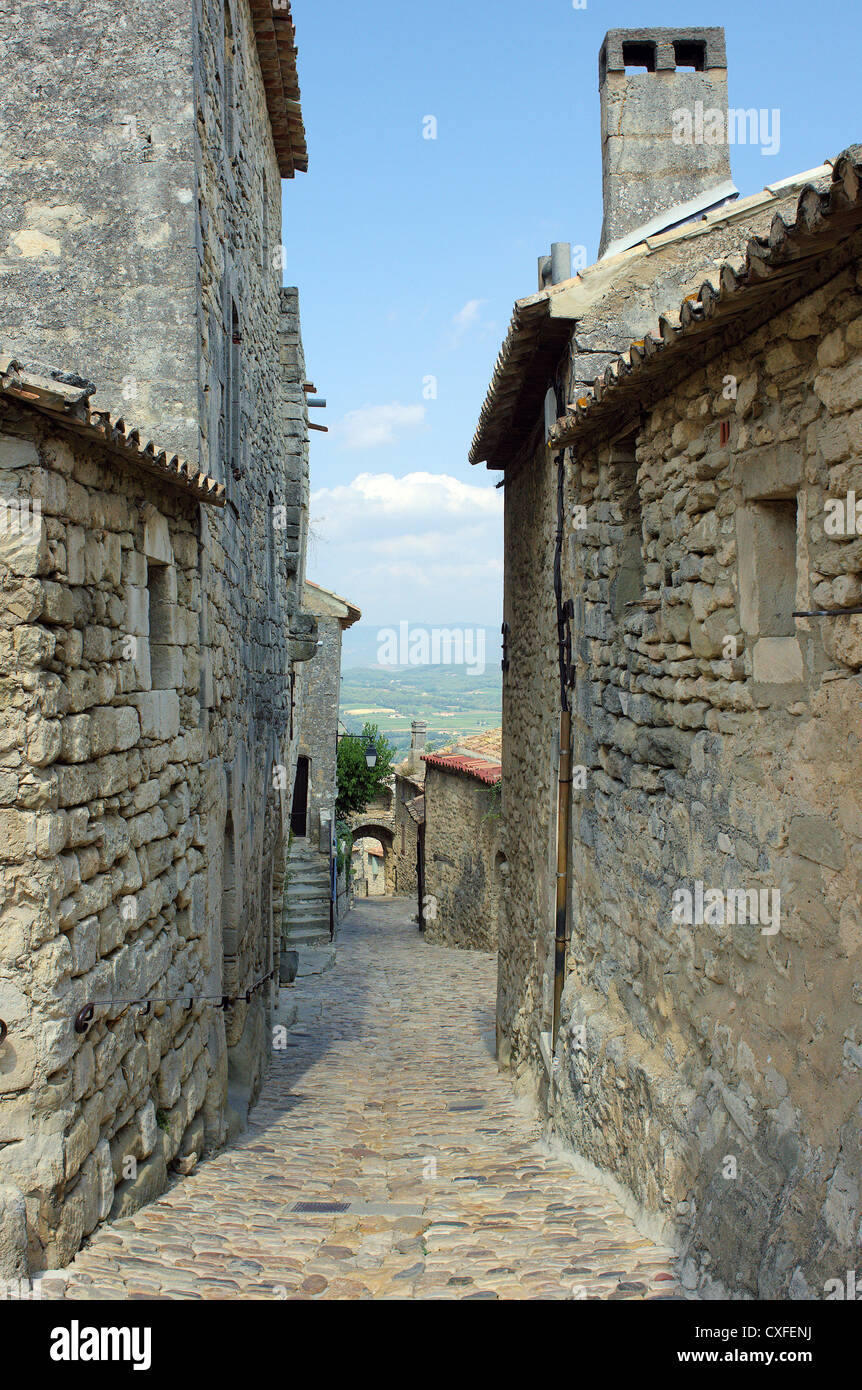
(17,835)
(14,1262)
(777,660)
(159,713)
(157,537)
(151,1179)
(816,838)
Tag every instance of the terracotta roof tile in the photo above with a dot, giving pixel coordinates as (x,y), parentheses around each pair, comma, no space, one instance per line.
(65,403)
(793,259)
(487,744)
(275,36)
(542,324)
(481,768)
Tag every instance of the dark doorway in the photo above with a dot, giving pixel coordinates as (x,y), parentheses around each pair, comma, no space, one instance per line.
(299,809)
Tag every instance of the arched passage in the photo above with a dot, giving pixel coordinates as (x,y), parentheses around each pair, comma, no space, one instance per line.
(378,830)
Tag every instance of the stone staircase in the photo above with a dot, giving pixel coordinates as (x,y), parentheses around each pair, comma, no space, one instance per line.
(306,900)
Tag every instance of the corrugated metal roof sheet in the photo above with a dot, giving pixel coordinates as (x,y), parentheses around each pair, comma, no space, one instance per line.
(66,405)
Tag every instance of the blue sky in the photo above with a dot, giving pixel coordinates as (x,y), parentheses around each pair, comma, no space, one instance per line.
(410,252)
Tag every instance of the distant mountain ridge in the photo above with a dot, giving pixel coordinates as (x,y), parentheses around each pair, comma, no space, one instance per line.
(453,703)
(362,645)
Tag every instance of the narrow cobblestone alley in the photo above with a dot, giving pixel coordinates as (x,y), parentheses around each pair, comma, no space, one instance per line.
(387,1101)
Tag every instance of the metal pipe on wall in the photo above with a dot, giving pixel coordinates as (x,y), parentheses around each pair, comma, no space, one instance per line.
(564,778)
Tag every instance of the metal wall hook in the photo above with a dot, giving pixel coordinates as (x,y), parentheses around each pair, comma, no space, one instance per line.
(4,1032)
(84,1018)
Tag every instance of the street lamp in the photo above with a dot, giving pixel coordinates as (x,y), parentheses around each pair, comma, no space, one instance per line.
(371,755)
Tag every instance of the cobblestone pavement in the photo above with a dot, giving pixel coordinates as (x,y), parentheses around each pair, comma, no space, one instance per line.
(387,1100)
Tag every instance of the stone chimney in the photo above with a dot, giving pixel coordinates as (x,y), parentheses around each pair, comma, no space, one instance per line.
(418,730)
(650,180)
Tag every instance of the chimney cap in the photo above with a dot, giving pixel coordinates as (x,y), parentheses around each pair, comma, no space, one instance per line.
(666,44)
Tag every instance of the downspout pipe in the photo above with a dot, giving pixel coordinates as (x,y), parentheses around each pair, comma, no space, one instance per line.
(564,779)
(420,874)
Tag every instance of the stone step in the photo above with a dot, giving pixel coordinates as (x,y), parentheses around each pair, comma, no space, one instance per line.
(307,937)
(315,958)
(314,913)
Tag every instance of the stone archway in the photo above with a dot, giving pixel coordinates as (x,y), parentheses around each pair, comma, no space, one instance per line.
(381,829)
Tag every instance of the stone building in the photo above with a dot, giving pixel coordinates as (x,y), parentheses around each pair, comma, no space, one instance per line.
(464,864)
(681,607)
(151,614)
(409,811)
(320,696)
(377,823)
(315,898)
(369,875)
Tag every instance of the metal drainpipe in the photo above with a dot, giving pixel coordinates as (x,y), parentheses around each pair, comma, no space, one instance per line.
(564,613)
(420,873)
(560,923)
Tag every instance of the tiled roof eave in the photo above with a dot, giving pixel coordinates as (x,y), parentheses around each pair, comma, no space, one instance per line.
(275,38)
(524,364)
(67,408)
(482,770)
(791,261)
(495,442)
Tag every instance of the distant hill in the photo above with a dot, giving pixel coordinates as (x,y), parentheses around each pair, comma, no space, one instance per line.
(363,644)
(452,702)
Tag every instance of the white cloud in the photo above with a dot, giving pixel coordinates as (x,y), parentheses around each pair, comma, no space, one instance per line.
(373,425)
(468,319)
(426,547)
(469,315)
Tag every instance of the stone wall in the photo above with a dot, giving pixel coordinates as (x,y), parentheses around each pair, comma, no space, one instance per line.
(253,436)
(623,302)
(462,860)
(343,893)
(377,822)
(716,1069)
(368,868)
(529,759)
(320,694)
(176,246)
(97,199)
(404,848)
(104,795)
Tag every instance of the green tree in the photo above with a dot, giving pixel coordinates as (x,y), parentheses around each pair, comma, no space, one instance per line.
(358,783)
